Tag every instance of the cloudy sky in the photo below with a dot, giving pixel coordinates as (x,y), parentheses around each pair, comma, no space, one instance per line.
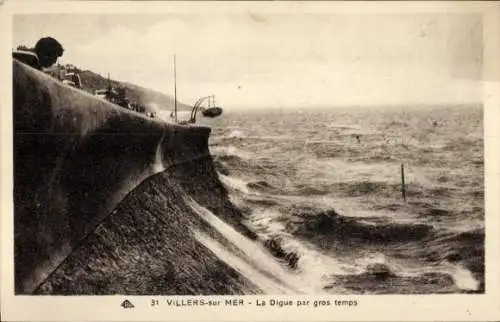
(255,59)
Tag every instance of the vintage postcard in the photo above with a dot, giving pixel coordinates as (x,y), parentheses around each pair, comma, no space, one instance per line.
(241,161)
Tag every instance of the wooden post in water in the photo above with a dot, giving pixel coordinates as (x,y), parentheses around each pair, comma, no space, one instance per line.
(403,188)
(175,89)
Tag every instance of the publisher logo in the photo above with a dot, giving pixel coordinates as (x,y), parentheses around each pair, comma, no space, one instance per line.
(127,304)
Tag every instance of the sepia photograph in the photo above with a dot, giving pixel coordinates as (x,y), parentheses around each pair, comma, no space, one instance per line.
(247,152)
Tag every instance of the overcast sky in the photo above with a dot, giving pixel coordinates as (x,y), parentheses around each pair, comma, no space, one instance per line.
(278,59)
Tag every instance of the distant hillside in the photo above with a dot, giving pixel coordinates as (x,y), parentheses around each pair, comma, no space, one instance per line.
(147,97)
(151,99)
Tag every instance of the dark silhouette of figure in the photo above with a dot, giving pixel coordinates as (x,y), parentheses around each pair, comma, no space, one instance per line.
(48,50)
(358,138)
(45,54)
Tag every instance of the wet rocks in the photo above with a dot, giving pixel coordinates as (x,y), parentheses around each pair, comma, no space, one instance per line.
(379,271)
(274,246)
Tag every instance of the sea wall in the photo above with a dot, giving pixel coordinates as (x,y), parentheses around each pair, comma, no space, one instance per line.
(76,159)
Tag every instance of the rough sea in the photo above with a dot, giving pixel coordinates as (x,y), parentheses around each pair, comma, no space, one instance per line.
(322,188)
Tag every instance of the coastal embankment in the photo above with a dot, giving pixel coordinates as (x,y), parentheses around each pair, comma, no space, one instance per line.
(109,201)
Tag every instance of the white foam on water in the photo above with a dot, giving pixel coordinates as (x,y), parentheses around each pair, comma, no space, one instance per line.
(231,150)
(312,263)
(263,282)
(234,183)
(266,222)
(315,264)
(235,134)
(462,277)
(256,253)
(343,126)
(273,137)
